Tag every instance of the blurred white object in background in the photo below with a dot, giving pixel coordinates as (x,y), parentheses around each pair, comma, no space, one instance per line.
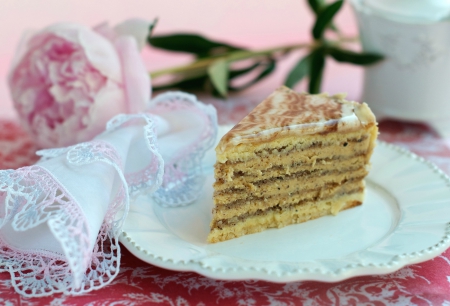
(413,82)
(413,11)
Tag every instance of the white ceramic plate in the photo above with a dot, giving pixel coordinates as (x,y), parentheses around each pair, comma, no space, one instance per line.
(404,220)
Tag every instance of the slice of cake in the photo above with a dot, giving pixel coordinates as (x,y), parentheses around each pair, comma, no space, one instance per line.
(294,158)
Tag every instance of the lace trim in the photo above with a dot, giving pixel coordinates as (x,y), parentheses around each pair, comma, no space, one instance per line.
(183,175)
(31,197)
(147,180)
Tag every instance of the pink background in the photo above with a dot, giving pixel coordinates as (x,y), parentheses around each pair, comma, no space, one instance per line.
(250,23)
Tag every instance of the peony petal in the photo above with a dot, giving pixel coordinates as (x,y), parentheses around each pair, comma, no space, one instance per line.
(99,51)
(101,54)
(67,133)
(138,28)
(46,137)
(135,77)
(105,30)
(110,101)
(66,30)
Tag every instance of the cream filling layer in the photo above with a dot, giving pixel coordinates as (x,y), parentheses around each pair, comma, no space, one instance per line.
(241,207)
(240,179)
(278,219)
(290,186)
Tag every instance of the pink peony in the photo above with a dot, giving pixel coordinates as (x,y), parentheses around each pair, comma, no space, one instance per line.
(68,80)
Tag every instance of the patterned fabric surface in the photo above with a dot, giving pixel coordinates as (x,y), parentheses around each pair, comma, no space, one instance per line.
(139,283)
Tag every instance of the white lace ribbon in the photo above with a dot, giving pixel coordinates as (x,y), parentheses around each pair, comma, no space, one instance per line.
(60,219)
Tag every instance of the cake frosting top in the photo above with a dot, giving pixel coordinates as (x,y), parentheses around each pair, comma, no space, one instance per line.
(288,111)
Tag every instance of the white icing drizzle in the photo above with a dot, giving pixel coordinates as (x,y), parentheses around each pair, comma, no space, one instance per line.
(286,111)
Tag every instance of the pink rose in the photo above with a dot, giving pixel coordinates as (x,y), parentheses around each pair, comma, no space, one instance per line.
(68,80)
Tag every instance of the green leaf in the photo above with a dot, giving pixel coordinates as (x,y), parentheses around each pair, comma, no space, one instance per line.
(298,72)
(202,82)
(324,18)
(316,5)
(269,68)
(152,27)
(317,64)
(238,72)
(191,43)
(348,56)
(333,27)
(218,74)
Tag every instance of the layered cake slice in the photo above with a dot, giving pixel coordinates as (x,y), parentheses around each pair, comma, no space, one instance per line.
(294,158)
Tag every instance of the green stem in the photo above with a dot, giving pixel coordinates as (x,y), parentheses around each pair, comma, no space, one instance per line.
(200,66)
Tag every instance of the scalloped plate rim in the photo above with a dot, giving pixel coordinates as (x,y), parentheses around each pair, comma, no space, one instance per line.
(351,270)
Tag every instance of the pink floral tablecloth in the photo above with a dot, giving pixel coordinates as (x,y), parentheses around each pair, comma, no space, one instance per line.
(139,283)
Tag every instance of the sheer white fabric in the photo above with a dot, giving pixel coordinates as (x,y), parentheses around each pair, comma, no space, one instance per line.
(60,219)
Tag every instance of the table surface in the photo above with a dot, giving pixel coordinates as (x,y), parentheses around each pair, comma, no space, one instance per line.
(139,283)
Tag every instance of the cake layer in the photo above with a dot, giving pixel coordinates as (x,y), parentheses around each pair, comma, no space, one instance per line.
(236,219)
(247,151)
(241,179)
(280,218)
(307,156)
(242,207)
(289,186)
(285,167)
